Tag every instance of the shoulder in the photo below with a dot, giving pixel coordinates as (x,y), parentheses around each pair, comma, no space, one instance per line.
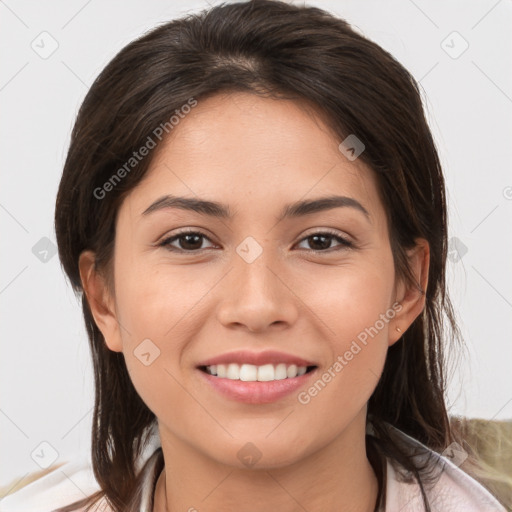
(66,484)
(449,490)
(74,481)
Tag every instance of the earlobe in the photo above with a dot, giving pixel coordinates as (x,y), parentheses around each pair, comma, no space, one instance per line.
(412,296)
(99,300)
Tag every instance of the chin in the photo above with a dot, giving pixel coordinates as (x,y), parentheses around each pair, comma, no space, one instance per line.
(257,452)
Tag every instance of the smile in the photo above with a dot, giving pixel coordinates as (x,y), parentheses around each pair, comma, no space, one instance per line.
(253,373)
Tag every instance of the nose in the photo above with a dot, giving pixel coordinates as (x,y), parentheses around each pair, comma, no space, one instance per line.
(256,296)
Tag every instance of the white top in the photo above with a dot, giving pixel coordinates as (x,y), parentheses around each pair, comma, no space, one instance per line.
(454,490)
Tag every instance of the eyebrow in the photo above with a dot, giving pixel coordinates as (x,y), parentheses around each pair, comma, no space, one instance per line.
(222,211)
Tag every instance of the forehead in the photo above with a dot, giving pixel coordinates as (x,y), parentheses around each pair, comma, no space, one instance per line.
(246,150)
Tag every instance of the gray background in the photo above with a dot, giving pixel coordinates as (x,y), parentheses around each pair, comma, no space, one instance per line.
(45,373)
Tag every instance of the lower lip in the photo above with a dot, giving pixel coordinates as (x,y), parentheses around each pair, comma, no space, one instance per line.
(256,392)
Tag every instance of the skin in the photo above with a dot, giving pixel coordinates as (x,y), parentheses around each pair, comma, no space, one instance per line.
(256,155)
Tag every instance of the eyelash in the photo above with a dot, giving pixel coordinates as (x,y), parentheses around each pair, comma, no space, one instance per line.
(344,243)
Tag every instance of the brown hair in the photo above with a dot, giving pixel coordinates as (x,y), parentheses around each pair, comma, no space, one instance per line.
(278,50)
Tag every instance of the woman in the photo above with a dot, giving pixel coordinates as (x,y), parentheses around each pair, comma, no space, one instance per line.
(254,209)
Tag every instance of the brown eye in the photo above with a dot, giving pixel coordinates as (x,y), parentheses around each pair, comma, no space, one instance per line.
(321,241)
(188,241)
(192,241)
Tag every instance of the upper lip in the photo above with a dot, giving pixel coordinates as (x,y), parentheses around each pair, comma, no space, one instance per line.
(256,358)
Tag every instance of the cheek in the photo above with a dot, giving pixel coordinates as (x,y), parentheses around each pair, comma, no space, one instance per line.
(160,311)
(156,301)
(355,305)
(352,298)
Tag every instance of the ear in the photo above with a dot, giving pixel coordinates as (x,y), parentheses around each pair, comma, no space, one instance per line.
(411,296)
(101,303)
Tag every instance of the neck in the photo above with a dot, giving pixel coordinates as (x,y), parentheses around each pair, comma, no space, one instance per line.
(333,478)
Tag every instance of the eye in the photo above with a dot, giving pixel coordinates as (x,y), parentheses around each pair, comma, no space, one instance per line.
(191,241)
(321,241)
(188,241)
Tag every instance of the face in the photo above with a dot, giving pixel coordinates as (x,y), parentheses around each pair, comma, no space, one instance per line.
(260,290)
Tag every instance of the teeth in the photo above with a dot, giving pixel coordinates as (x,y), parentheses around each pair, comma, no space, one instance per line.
(280,372)
(266,373)
(248,372)
(291,371)
(252,373)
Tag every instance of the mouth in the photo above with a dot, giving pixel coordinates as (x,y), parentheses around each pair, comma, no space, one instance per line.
(252,373)
(256,378)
